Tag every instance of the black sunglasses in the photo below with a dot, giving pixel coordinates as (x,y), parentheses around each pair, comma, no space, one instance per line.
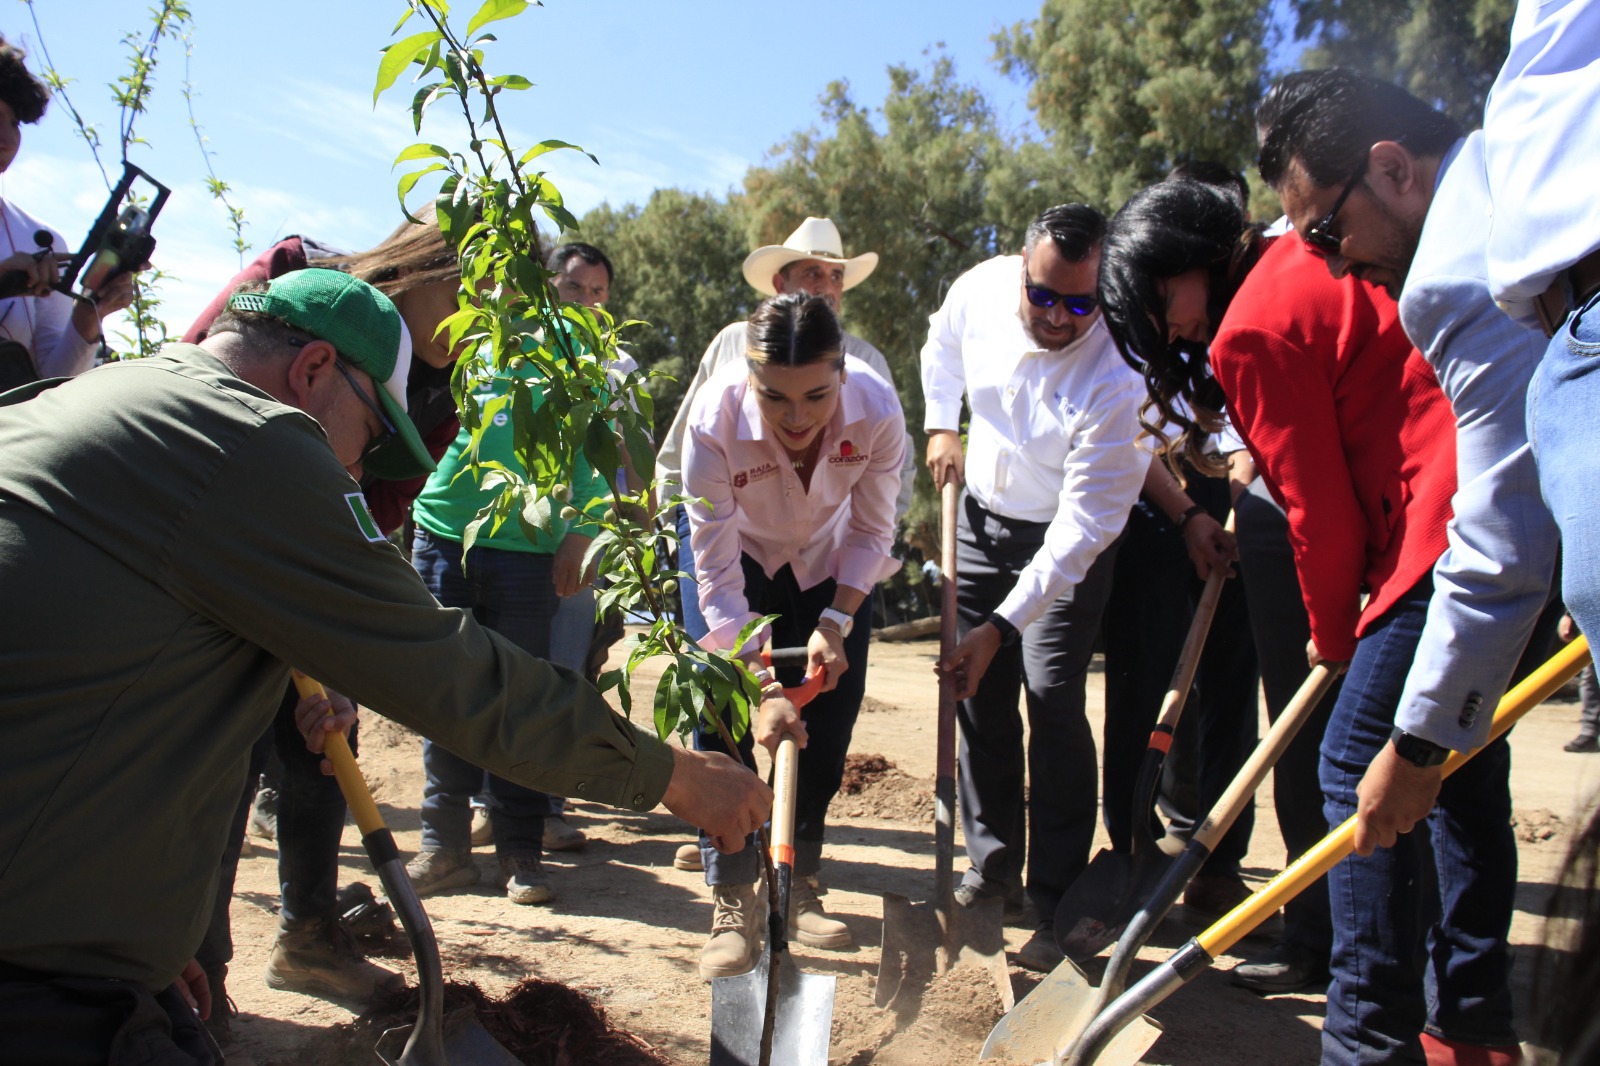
(389,431)
(1320,237)
(1039,296)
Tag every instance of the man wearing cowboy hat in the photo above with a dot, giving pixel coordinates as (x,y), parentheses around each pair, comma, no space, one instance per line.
(811,261)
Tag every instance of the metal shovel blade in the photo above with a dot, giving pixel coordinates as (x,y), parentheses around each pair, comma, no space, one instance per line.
(1051,1017)
(803,1026)
(464,1042)
(918,945)
(1105,897)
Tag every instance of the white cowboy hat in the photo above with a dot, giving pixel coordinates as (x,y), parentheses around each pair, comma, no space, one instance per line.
(816,238)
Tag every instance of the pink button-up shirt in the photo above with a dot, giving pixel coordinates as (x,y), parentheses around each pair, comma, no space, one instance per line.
(754,503)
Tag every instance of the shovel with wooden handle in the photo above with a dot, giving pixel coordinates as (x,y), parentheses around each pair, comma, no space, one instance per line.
(922,940)
(1101,1039)
(1065,995)
(802,1016)
(435,1040)
(1105,897)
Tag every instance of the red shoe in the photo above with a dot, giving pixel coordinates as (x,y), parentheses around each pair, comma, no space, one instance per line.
(1442,1052)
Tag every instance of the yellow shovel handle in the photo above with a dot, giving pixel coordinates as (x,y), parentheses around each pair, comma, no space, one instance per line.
(1326,854)
(351,783)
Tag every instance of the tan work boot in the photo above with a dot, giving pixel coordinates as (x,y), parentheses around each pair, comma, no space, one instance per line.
(482,831)
(688,857)
(809,924)
(559,836)
(439,871)
(732,948)
(319,958)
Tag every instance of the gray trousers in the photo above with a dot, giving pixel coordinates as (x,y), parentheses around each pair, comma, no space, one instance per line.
(1054,830)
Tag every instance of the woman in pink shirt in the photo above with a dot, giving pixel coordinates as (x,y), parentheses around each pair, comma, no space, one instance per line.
(795,458)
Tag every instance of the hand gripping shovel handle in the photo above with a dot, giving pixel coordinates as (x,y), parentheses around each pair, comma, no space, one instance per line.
(1198,954)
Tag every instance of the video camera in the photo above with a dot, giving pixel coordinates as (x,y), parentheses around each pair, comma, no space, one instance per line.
(118,242)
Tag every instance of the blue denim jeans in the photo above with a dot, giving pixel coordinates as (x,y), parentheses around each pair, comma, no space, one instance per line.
(1419,929)
(1562,403)
(830,718)
(513,594)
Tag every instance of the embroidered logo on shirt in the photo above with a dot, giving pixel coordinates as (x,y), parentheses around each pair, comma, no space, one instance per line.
(847,454)
(364,520)
(754,474)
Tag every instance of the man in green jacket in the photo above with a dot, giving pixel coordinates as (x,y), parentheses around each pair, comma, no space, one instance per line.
(173,531)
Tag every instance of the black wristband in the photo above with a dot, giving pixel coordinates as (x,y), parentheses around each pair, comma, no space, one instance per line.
(1008,632)
(1416,750)
(1183,519)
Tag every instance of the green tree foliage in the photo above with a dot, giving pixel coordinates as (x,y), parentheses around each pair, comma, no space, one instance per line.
(677,270)
(1125,89)
(1445,51)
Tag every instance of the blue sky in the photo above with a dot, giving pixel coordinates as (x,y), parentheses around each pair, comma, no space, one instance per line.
(664,94)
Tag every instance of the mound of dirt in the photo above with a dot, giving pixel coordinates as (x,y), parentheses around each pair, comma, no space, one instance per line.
(958,1010)
(874,787)
(1537,826)
(542,1023)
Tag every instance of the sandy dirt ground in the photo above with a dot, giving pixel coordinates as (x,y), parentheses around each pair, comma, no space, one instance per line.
(625,927)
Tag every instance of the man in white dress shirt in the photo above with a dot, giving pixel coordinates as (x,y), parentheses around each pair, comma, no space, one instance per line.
(1051,470)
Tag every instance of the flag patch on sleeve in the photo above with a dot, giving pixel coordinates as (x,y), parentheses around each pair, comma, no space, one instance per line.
(364,520)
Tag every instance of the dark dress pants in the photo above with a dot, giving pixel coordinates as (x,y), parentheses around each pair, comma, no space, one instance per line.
(1054,830)
(1281,628)
(1154,596)
(830,718)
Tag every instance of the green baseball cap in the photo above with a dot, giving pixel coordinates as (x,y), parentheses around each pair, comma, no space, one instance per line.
(365,329)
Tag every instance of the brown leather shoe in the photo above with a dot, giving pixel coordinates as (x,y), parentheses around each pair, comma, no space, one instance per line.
(1214,895)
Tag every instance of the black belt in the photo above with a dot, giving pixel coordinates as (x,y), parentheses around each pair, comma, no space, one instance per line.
(1581,279)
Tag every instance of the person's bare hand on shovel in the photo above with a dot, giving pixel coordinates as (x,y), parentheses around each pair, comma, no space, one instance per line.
(969,660)
(312,716)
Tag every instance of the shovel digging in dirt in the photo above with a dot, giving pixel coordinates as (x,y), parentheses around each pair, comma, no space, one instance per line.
(435,1040)
(1056,1012)
(922,940)
(802,1010)
(1103,1039)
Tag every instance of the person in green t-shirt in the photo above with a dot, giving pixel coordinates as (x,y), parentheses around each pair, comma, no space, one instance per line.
(512,583)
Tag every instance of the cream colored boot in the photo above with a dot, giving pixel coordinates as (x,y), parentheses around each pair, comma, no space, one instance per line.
(809,924)
(734,934)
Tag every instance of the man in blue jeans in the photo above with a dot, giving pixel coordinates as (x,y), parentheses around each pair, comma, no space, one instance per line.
(1380,185)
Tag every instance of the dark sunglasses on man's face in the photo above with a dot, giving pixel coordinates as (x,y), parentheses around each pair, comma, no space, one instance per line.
(1041,297)
(1321,238)
(389,431)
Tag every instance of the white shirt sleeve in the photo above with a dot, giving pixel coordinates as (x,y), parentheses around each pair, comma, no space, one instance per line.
(670,456)
(1105,470)
(944,378)
(908,464)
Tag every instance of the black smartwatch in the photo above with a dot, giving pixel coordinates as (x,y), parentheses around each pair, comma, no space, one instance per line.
(1008,632)
(1417,751)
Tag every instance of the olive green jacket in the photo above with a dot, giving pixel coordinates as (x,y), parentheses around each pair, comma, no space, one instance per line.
(170,538)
